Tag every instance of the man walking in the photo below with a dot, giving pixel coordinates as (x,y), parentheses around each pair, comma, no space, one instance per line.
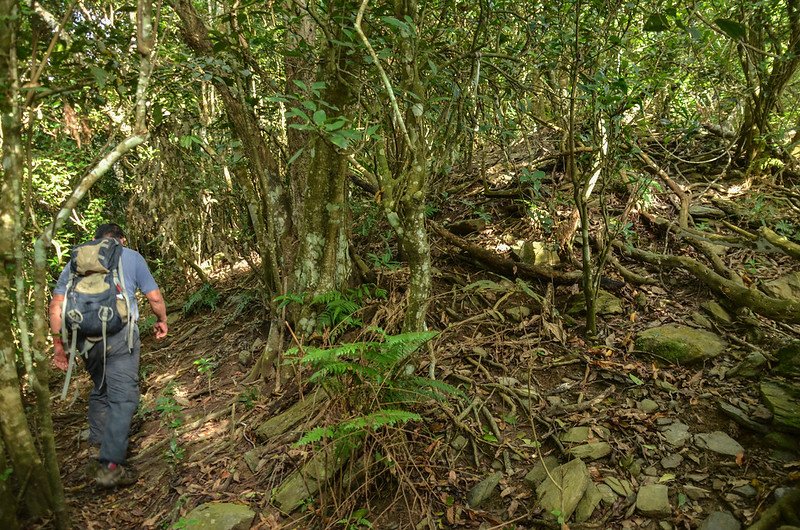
(113,363)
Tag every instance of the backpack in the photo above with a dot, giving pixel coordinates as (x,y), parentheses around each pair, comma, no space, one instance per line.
(96,303)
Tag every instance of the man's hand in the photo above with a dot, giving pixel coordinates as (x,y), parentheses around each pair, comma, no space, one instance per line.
(60,360)
(160,329)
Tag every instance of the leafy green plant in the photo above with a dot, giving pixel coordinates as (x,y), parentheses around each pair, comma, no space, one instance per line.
(356,520)
(372,379)
(248,397)
(384,260)
(241,302)
(174,453)
(5,474)
(204,298)
(532,179)
(205,366)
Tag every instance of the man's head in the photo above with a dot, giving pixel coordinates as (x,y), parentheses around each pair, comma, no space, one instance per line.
(109,230)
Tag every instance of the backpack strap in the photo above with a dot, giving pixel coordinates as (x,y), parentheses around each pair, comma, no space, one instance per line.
(119,275)
(73,348)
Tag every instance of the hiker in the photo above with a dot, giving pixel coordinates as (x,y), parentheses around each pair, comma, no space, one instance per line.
(113,360)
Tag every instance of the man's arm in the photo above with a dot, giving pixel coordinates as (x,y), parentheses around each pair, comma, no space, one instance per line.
(160,310)
(59,355)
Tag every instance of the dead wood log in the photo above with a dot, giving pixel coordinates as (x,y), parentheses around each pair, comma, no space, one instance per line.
(505,266)
(773,308)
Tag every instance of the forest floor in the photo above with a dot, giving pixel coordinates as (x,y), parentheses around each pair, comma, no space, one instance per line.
(515,347)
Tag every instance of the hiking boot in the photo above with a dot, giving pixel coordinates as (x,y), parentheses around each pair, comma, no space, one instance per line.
(113,475)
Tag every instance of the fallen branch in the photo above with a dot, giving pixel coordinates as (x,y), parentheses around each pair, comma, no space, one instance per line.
(773,308)
(505,266)
(789,247)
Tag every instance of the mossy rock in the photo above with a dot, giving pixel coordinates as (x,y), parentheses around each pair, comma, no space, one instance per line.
(783,400)
(789,360)
(680,344)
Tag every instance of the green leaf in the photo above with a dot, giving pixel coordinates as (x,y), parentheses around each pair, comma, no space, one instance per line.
(731,28)
(656,22)
(339,141)
(319,117)
(300,84)
(338,124)
(294,156)
(402,26)
(635,380)
(100,76)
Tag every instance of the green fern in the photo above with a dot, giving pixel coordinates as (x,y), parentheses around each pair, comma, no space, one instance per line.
(204,298)
(370,376)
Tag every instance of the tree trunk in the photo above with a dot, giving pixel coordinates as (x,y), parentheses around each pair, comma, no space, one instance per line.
(29,478)
(264,166)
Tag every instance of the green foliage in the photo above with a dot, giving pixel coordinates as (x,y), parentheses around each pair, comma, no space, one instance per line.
(334,310)
(205,366)
(385,260)
(532,179)
(356,520)
(241,302)
(205,298)
(174,453)
(248,397)
(371,377)
(7,472)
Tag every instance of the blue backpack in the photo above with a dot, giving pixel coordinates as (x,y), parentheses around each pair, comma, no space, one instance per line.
(96,303)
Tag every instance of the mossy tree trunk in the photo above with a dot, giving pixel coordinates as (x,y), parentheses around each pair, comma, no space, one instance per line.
(28,479)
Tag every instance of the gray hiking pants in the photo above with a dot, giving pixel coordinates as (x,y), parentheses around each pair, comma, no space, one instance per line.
(115,397)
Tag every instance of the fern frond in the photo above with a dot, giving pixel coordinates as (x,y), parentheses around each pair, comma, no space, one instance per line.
(315,435)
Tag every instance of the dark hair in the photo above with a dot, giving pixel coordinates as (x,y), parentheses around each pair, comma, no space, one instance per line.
(109,230)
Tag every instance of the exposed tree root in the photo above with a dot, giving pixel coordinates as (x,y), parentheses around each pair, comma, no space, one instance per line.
(758,302)
(789,247)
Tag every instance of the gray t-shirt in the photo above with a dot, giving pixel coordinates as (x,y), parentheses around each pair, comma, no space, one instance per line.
(137,276)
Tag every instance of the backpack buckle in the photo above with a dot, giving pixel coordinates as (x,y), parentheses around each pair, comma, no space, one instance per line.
(105,313)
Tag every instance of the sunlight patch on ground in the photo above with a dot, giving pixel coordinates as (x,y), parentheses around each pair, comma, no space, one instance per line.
(210,429)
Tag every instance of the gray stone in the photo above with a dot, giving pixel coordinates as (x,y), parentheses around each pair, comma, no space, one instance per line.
(718,442)
(720,521)
(747,491)
(605,304)
(786,287)
(676,434)
(671,461)
(564,488)
(459,443)
(252,458)
(539,472)
(680,344)
(620,486)
(484,490)
(788,360)
(695,493)
(751,366)
(220,516)
(647,405)
(588,503)
(717,312)
(576,435)
(607,494)
(701,320)
(740,417)
(245,356)
(783,400)
(653,499)
(591,451)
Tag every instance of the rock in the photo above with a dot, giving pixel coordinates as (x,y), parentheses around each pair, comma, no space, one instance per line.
(663,525)
(680,344)
(647,405)
(483,490)
(220,516)
(538,253)
(576,435)
(671,461)
(740,417)
(539,472)
(751,366)
(747,491)
(717,312)
(720,521)
(718,442)
(459,443)
(695,493)
(619,486)
(676,434)
(788,360)
(653,499)
(245,356)
(782,441)
(786,287)
(591,451)
(605,304)
(588,503)
(563,495)
(607,494)
(701,320)
(252,458)
(783,400)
